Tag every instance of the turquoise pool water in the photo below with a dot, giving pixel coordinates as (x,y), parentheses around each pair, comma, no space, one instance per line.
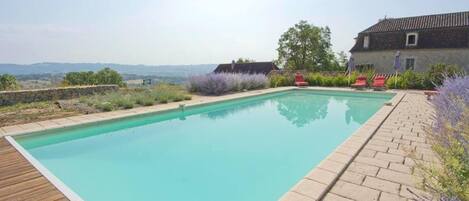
(244,150)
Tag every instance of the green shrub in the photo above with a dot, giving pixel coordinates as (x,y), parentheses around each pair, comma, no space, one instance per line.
(8,82)
(394,82)
(410,80)
(104,76)
(340,81)
(128,98)
(369,76)
(105,106)
(144,99)
(281,80)
(438,73)
(313,79)
(326,81)
(80,78)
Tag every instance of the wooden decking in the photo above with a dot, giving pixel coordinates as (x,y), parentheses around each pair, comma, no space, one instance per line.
(19,180)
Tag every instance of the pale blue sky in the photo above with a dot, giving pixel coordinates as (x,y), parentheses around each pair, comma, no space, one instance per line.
(182,31)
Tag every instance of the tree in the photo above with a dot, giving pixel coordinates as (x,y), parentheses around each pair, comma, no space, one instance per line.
(80,78)
(342,60)
(8,82)
(305,46)
(109,76)
(244,60)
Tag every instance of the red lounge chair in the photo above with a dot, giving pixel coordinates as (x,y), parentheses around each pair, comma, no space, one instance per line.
(299,80)
(378,82)
(360,82)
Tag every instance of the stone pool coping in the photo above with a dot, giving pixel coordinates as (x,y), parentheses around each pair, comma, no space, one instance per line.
(321,177)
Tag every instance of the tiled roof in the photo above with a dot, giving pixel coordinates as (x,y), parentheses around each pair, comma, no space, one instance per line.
(446,20)
(250,68)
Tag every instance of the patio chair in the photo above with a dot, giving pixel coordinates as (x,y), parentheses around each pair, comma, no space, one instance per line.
(360,82)
(299,80)
(379,83)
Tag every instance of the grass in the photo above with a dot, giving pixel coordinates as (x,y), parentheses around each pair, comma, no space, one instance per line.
(129,98)
(22,113)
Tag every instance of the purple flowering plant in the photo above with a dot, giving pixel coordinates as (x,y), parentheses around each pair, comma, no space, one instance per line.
(449,136)
(221,83)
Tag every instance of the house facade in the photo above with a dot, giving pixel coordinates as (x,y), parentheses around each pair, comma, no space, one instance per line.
(246,68)
(421,41)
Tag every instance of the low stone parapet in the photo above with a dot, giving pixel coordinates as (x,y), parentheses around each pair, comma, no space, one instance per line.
(36,95)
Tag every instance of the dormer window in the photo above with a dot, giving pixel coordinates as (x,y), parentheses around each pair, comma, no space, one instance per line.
(412,39)
(366,42)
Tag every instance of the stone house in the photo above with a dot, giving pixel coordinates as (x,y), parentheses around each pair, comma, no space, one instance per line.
(421,40)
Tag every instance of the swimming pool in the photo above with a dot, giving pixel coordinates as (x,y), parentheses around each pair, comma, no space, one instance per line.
(248,149)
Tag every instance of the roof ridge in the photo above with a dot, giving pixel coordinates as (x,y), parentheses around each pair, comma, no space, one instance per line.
(442,20)
(428,15)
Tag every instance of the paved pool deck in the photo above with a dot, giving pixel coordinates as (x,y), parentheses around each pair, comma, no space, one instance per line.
(373,164)
(382,170)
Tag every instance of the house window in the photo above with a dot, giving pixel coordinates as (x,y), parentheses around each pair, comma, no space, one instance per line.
(412,39)
(410,63)
(366,42)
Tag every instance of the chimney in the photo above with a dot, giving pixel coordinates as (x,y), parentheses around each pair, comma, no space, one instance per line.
(232,64)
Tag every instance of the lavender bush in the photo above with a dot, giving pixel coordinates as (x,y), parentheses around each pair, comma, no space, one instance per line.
(449,136)
(220,83)
(453,99)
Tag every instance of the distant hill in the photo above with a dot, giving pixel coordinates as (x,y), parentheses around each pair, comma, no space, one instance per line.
(60,68)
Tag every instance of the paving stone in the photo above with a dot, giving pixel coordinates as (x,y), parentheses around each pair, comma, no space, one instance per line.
(363,169)
(347,150)
(372,161)
(294,196)
(414,139)
(383,143)
(339,157)
(400,168)
(421,145)
(322,176)
(401,151)
(390,197)
(389,157)
(310,188)
(376,148)
(332,166)
(397,177)
(12,129)
(352,177)
(334,197)
(382,185)
(401,141)
(355,192)
(414,194)
(383,138)
(367,153)
(409,161)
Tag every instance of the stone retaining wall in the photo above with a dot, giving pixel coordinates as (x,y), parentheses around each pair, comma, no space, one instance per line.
(27,96)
